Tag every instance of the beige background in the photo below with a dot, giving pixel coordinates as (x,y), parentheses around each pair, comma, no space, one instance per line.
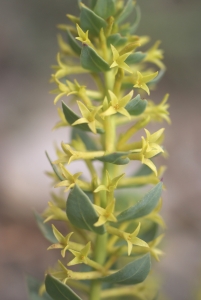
(27,49)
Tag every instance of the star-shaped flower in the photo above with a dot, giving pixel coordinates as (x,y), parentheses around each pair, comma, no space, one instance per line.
(63,89)
(117,105)
(81,256)
(70,179)
(75,88)
(111,183)
(53,212)
(156,252)
(62,121)
(89,116)
(83,36)
(150,148)
(105,214)
(158,112)
(155,55)
(142,80)
(63,241)
(132,239)
(119,60)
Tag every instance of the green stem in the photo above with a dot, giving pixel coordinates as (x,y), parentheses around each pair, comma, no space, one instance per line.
(99,257)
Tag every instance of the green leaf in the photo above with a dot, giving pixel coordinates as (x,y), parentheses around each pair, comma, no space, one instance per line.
(59,291)
(133,273)
(144,206)
(86,139)
(136,106)
(80,211)
(143,171)
(92,3)
(134,26)
(60,177)
(116,40)
(91,61)
(117,158)
(73,43)
(127,10)
(91,21)
(33,289)
(45,228)
(135,58)
(105,8)
(149,234)
(71,117)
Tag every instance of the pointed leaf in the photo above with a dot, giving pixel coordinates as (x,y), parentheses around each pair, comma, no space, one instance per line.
(59,291)
(92,3)
(127,10)
(86,139)
(105,8)
(117,158)
(45,228)
(91,21)
(71,117)
(144,206)
(90,60)
(81,212)
(116,40)
(33,289)
(60,177)
(143,171)
(73,43)
(135,58)
(150,234)
(134,26)
(136,106)
(133,273)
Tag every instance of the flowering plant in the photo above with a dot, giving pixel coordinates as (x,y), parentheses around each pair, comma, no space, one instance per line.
(110,231)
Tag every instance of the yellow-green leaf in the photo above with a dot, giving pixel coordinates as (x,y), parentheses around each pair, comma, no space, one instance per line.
(105,8)
(91,61)
(59,291)
(91,21)
(73,43)
(136,106)
(81,212)
(133,273)
(144,206)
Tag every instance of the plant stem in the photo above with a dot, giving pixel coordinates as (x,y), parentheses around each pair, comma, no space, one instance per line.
(99,257)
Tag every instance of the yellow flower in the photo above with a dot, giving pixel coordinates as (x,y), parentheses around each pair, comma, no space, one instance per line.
(111,183)
(88,116)
(105,214)
(117,105)
(156,252)
(63,241)
(53,212)
(132,239)
(158,112)
(155,55)
(81,256)
(150,148)
(63,89)
(83,36)
(142,80)
(119,60)
(62,121)
(70,179)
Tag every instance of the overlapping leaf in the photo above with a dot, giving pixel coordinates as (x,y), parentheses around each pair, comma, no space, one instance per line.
(81,212)
(144,206)
(59,291)
(133,273)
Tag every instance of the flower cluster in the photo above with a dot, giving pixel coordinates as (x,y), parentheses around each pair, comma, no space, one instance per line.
(110,231)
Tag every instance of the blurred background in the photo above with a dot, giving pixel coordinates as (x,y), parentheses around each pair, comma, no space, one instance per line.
(28,47)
